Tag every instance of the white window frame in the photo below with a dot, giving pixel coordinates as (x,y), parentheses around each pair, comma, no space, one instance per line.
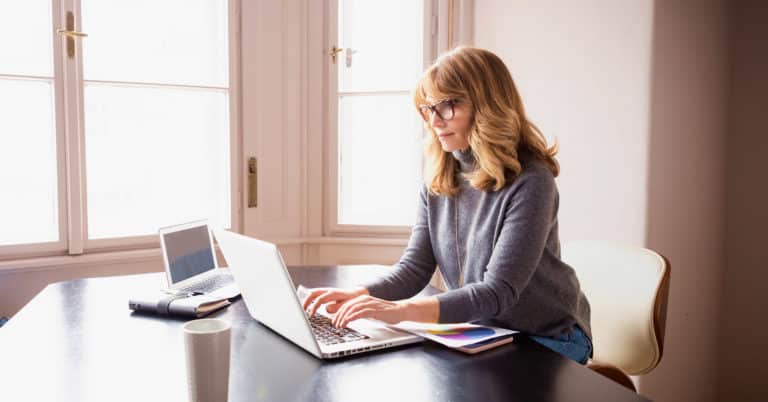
(331,224)
(447,23)
(69,122)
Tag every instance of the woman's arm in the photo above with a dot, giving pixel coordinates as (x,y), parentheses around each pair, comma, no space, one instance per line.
(373,299)
(415,268)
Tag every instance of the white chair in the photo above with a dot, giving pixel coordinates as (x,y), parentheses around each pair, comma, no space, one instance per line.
(627,288)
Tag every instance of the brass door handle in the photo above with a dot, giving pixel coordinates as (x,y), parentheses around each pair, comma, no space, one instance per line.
(253,187)
(334,52)
(71,34)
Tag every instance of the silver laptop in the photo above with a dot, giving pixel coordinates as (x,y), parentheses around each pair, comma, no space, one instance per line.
(190,261)
(271,298)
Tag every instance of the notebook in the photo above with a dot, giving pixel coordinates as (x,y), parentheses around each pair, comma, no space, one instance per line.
(190,262)
(272,299)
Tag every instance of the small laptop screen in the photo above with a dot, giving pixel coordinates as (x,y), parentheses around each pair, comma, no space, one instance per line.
(189,253)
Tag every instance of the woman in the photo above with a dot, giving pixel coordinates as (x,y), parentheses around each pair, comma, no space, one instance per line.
(487,218)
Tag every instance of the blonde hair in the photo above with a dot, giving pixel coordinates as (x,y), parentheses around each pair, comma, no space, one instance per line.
(500,129)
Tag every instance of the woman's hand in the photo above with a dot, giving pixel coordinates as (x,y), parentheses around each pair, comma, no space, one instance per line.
(366,306)
(333,298)
(356,303)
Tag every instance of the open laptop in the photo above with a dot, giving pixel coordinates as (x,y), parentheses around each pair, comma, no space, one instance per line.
(190,261)
(271,298)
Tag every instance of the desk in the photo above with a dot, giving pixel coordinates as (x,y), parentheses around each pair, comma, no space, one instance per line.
(77,341)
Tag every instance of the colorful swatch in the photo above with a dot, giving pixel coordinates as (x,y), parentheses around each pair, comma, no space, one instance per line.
(462,334)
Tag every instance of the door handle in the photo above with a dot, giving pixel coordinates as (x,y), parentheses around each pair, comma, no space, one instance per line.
(253,188)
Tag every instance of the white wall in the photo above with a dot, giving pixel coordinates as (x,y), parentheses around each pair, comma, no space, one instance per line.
(634,91)
(583,70)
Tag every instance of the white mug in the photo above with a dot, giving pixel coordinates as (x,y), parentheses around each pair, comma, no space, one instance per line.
(207,348)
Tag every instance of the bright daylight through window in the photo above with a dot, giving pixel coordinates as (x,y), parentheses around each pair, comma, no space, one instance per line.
(152,112)
(379,132)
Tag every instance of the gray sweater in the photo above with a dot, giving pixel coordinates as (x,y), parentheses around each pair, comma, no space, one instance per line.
(509,252)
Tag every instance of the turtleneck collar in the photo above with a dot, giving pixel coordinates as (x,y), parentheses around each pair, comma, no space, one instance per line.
(465,158)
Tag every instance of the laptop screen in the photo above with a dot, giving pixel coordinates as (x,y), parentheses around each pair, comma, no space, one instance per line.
(189,252)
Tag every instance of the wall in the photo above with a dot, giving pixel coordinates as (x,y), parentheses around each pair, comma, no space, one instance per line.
(686,189)
(583,71)
(743,351)
(634,92)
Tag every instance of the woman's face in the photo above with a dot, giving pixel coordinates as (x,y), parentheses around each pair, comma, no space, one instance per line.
(451,121)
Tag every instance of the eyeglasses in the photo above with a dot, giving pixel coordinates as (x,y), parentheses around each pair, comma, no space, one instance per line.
(444,109)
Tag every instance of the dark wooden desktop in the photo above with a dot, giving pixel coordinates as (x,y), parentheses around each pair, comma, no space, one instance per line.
(77,341)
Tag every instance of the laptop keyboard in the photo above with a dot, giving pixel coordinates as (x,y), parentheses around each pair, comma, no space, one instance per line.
(327,334)
(209,285)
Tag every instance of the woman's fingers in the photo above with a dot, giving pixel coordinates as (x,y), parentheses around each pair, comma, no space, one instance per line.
(311,296)
(373,309)
(333,307)
(334,299)
(369,307)
(329,296)
(354,305)
(346,306)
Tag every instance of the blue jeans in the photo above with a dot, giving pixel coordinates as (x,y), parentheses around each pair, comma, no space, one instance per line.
(574,345)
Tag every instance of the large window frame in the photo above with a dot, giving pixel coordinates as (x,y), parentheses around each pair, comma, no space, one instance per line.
(70,145)
(331,225)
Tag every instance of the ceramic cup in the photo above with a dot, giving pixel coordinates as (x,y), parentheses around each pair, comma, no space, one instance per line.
(207,344)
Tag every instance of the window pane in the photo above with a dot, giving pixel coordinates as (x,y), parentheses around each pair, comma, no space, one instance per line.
(25,38)
(379,166)
(28,204)
(169,41)
(155,157)
(387,39)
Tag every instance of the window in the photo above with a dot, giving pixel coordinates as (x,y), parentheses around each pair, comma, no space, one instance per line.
(113,135)
(375,134)
(29,205)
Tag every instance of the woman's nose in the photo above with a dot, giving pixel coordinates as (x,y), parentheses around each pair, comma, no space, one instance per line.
(435,120)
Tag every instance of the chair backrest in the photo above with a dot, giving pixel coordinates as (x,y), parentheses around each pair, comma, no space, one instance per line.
(627,288)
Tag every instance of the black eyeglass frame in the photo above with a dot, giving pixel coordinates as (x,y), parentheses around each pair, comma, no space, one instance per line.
(423,109)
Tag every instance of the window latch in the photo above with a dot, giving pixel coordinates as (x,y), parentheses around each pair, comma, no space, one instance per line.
(349,54)
(70,34)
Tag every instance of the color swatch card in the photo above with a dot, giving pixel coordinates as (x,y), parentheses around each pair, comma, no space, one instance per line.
(454,335)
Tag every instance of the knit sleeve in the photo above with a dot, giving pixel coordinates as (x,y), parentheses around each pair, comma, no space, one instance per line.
(528,215)
(415,268)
